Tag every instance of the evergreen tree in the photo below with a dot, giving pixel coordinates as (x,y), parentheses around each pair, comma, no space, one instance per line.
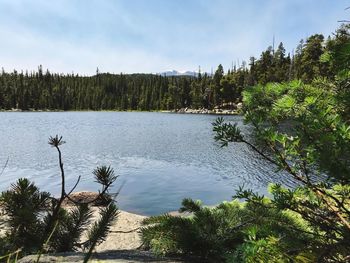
(311,65)
(216,86)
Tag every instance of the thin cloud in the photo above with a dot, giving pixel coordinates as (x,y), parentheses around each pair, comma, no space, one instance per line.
(150,36)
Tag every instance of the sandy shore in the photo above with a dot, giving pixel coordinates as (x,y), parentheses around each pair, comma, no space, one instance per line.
(124,235)
(124,232)
(121,245)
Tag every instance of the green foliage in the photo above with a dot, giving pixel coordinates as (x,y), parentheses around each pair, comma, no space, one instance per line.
(302,127)
(232,232)
(45,90)
(69,231)
(199,235)
(100,229)
(36,222)
(23,205)
(188,205)
(338,51)
(104,175)
(311,65)
(226,132)
(314,58)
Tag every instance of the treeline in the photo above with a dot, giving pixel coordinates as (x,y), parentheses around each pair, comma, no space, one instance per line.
(104,91)
(302,128)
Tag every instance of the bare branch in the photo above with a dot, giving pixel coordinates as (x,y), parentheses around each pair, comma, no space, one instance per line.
(124,232)
(260,152)
(3,168)
(76,184)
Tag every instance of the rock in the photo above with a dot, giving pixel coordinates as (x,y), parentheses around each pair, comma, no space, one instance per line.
(216,110)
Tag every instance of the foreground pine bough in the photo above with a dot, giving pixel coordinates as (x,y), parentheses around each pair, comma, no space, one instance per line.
(37,223)
(303,130)
(309,223)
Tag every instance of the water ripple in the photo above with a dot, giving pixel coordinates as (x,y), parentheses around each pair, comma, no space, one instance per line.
(161,158)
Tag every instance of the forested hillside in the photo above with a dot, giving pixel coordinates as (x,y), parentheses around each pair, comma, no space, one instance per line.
(104,91)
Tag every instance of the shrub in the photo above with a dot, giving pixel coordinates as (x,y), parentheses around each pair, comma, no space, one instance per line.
(232,231)
(36,222)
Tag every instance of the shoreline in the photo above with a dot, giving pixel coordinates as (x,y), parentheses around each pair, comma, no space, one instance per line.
(206,111)
(46,110)
(215,111)
(194,112)
(123,243)
(124,233)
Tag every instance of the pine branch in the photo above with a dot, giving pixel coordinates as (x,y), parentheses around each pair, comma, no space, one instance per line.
(99,231)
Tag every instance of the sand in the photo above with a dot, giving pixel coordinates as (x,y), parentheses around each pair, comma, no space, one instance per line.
(122,244)
(124,233)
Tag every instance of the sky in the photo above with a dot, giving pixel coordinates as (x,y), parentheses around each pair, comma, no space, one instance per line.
(152,36)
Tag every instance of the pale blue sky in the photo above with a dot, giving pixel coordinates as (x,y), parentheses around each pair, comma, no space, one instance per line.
(154,35)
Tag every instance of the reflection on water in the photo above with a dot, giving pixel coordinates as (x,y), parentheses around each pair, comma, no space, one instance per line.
(161,158)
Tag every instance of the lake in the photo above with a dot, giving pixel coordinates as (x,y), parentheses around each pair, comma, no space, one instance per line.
(160,158)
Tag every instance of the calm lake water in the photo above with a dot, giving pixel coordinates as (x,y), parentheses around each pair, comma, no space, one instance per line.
(160,157)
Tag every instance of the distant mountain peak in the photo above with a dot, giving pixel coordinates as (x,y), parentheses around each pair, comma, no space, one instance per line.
(173,72)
